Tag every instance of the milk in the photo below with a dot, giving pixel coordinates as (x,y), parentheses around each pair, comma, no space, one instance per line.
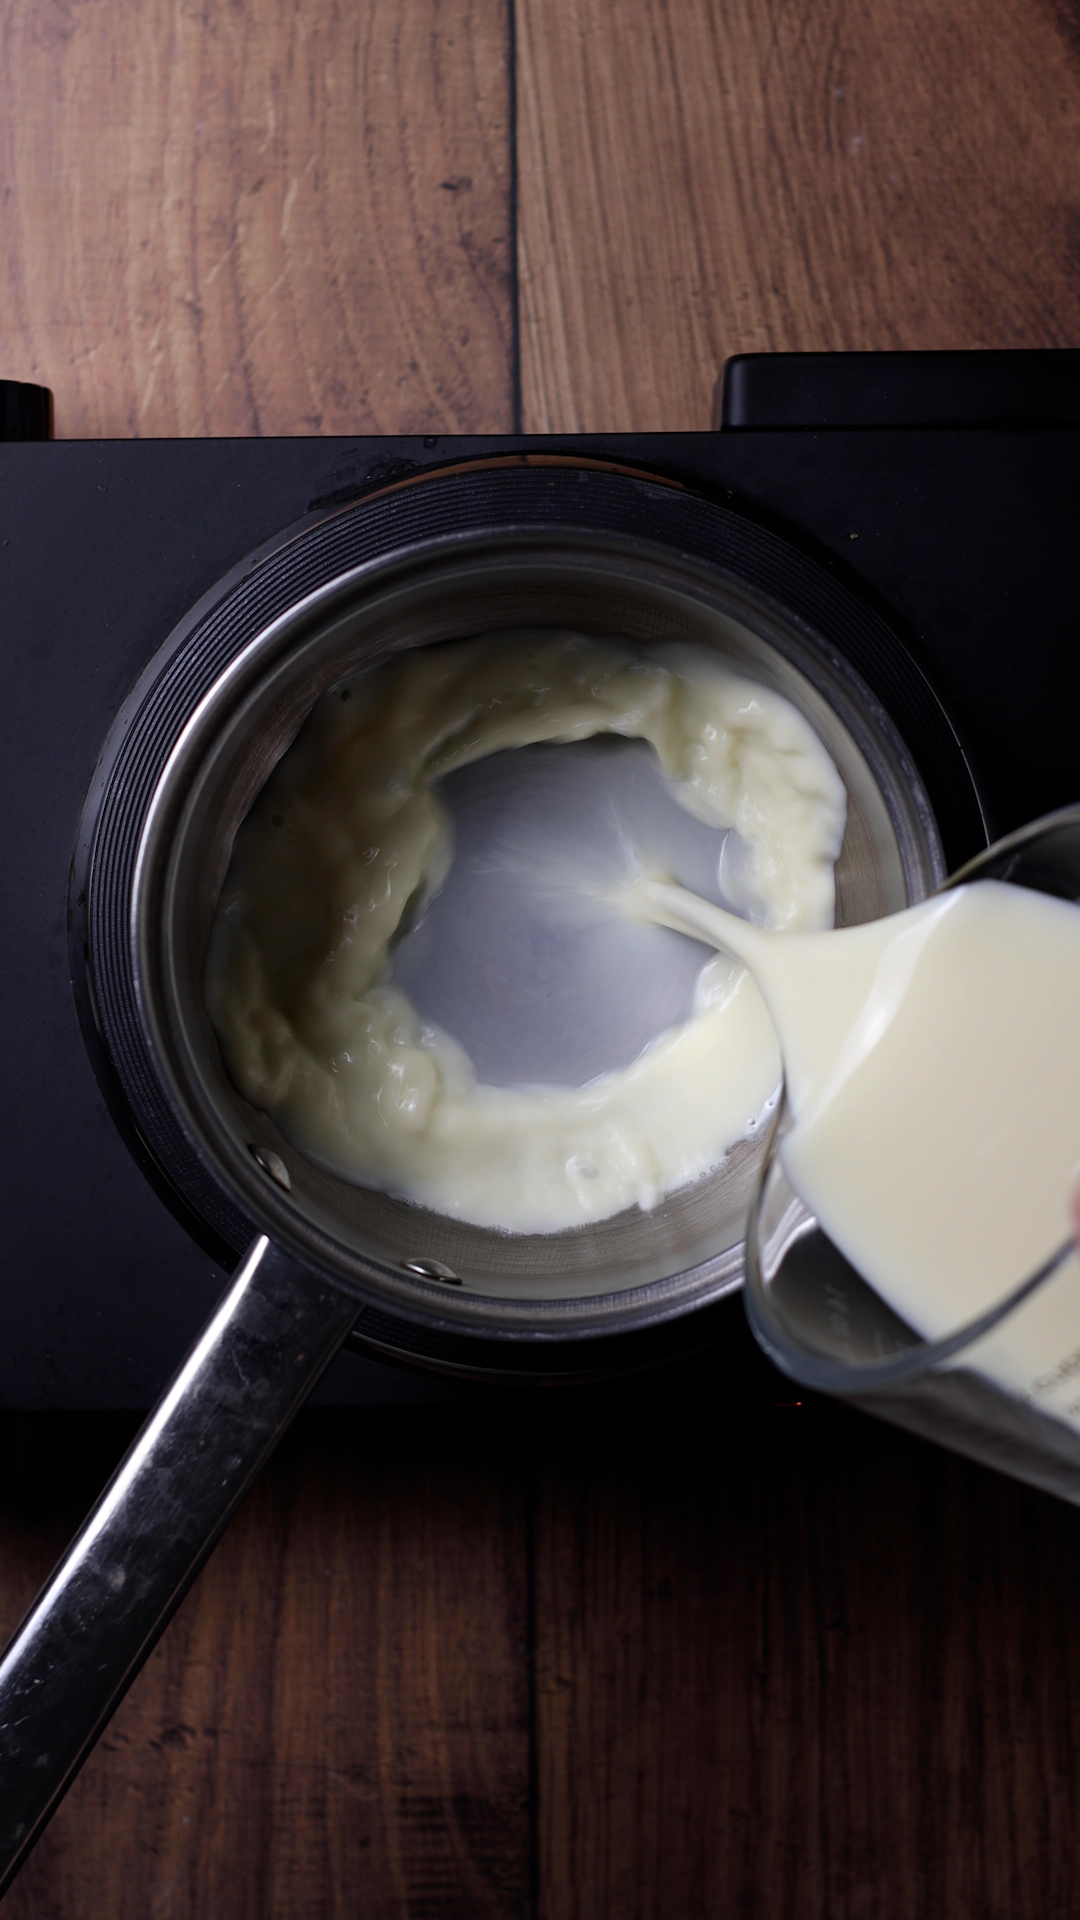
(932,1063)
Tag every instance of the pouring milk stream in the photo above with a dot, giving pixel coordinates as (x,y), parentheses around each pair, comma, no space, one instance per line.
(932,1058)
(932,1062)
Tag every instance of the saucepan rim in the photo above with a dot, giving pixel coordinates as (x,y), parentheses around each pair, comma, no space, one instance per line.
(277,646)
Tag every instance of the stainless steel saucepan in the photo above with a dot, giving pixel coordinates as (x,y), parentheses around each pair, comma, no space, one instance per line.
(325,1259)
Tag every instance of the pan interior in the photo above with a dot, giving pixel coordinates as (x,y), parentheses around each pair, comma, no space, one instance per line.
(520,956)
(889,858)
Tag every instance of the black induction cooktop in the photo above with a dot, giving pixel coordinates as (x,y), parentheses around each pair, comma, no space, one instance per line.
(943,489)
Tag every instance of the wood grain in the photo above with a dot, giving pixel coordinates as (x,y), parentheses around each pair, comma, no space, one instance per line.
(770,1663)
(706,177)
(257,217)
(337,1720)
(788,1665)
(797,1665)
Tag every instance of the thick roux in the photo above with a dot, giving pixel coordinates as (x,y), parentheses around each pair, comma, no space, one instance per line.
(349,834)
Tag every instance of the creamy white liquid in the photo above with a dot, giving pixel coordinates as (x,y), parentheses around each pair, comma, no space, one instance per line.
(932,1062)
(350,832)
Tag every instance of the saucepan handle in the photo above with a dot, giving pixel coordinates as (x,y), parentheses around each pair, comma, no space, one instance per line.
(98,1617)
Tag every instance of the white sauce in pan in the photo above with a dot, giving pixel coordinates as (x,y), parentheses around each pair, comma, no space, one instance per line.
(349,835)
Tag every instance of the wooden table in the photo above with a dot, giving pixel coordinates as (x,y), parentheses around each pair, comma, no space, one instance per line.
(672,1652)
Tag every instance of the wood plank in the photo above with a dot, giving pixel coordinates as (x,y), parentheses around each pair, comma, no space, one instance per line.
(798,1666)
(706,177)
(791,1663)
(337,1720)
(258,218)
